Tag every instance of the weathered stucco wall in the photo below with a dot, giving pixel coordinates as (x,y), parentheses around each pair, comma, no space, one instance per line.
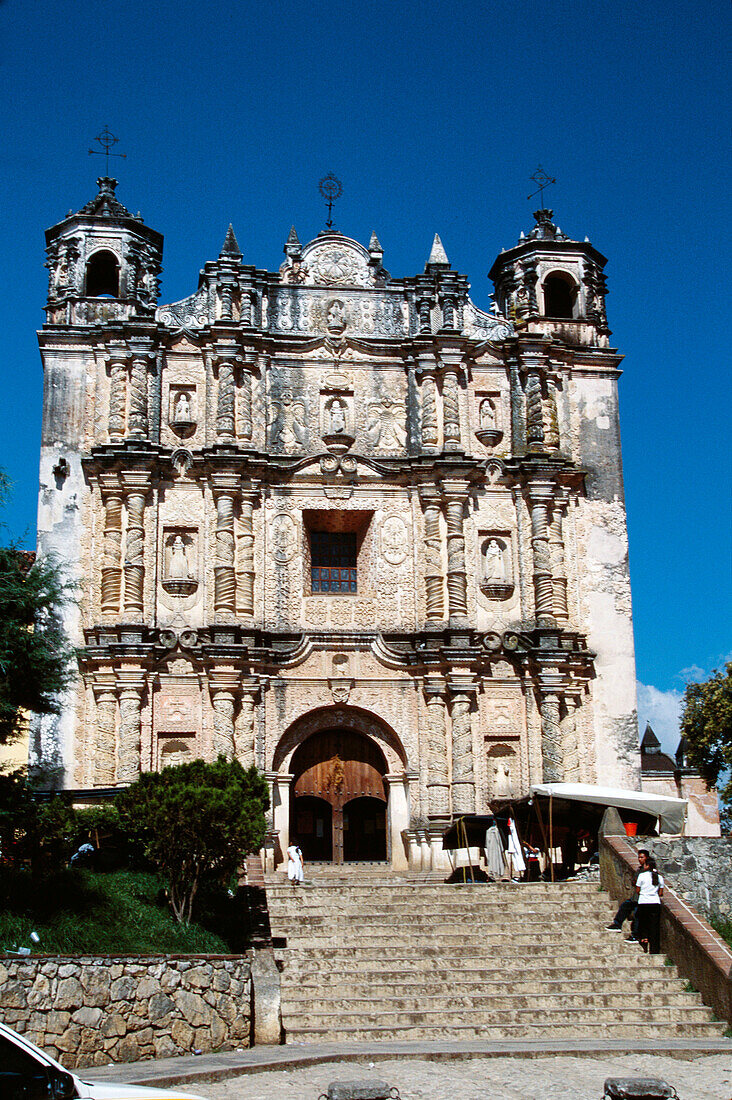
(91,1010)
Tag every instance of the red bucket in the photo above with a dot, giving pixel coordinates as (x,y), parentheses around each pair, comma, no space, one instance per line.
(631,828)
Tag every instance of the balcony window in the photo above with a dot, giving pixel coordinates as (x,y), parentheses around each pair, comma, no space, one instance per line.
(333,557)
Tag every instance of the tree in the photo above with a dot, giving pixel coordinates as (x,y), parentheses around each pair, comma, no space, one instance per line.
(196,822)
(36,657)
(706,723)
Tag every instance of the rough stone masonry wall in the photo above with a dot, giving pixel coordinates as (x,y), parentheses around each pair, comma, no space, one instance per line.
(699,868)
(92,1010)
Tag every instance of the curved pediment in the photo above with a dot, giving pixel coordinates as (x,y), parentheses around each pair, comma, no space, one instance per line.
(334,260)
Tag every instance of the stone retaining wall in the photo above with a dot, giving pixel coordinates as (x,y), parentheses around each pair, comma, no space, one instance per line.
(698,867)
(91,1010)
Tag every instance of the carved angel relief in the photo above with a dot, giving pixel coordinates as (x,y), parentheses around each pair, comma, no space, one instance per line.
(287,423)
(386,424)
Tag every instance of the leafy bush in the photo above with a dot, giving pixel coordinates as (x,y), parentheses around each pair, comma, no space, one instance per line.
(196,822)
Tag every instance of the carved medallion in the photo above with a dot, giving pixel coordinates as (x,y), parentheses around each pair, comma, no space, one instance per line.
(394,540)
(283,538)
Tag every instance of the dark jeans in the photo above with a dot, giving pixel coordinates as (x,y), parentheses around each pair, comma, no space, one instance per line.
(628,907)
(648,919)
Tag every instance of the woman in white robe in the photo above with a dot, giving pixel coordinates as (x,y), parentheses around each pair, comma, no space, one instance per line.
(295,866)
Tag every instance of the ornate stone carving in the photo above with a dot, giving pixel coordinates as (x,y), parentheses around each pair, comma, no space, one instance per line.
(485,326)
(138,419)
(570,745)
(225,425)
(190,313)
(245,406)
(283,538)
(451,410)
(501,769)
(456,569)
(338,264)
(223,722)
(394,540)
(430,427)
(438,786)
(245,748)
(117,393)
(489,431)
(556,549)
(246,554)
(182,410)
(287,420)
(551,738)
(534,412)
(496,576)
(386,424)
(539,498)
(225,489)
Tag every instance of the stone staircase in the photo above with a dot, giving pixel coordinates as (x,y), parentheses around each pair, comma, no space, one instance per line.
(367,954)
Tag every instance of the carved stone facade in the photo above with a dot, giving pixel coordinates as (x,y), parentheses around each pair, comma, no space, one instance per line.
(325,508)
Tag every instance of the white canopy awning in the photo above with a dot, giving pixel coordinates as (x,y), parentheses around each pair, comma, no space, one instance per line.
(671,812)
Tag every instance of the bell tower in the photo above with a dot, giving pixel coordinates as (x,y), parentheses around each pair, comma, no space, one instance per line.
(553,285)
(103,263)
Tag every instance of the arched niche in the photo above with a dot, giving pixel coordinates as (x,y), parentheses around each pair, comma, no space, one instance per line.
(348,718)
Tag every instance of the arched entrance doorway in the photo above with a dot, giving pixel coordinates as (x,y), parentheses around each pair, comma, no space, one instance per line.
(339,797)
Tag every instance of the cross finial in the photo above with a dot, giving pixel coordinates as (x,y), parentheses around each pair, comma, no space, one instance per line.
(330,188)
(107,140)
(542,180)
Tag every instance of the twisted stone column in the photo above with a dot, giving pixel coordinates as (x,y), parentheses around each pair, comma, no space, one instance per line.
(551,416)
(456,570)
(451,410)
(570,745)
(434,582)
(539,498)
(106,726)
(245,749)
(117,393)
(551,739)
(128,748)
(138,421)
(424,308)
(556,547)
(534,413)
(245,309)
(137,484)
(226,402)
(226,290)
(223,723)
(245,406)
(438,786)
(225,488)
(448,312)
(246,555)
(112,551)
(430,427)
(463,774)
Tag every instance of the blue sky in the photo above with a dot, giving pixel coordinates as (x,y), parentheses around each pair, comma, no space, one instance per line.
(434,116)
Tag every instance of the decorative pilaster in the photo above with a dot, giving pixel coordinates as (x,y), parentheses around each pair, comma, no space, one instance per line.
(462,690)
(551,416)
(245,734)
(225,488)
(138,420)
(118,358)
(246,553)
(224,688)
(551,736)
(424,309)
(137,486)
(245,404)
(130,686)
(112,547)
(534,412)
(518,418)
(556,548)
(434,580)
(106,729)
(540,495)
(456,498)
(438,786)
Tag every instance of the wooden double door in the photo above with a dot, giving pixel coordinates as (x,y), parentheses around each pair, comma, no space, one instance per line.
(339,798)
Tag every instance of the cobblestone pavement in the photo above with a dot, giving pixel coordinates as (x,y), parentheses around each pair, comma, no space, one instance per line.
(707,1077)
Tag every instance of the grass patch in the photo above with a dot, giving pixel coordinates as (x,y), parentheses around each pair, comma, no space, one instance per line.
(82,912)
(723,927)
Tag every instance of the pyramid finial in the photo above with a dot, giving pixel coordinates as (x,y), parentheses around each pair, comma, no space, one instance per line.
(230,249)
(650,742)
(293,237)
(374,245)
(438,254)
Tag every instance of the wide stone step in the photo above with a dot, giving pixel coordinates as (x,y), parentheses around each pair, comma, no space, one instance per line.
(376,984)
(461,947)
(441,1002)
(433,889)
(590,1028)
(544,910)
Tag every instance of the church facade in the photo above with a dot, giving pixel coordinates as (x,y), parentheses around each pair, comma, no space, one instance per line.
(343,526)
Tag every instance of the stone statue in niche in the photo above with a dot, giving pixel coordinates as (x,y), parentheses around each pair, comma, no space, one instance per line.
(335,316)
(181,412)
(501,777)
(337,416)
(337,437)
(488,432)
(179,578)
(495,581)
(494,563)
(183,407)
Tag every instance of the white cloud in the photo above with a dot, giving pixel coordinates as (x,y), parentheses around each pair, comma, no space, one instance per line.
(663,710)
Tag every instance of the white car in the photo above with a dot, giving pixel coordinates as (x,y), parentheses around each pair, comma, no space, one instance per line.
(26,1073)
